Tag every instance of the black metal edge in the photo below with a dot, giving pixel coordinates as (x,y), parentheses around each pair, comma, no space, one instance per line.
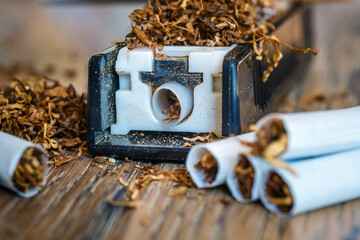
(230,103)
(98,117)
(143,153)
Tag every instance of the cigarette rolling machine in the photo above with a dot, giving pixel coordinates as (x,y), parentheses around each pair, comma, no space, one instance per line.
(219,89)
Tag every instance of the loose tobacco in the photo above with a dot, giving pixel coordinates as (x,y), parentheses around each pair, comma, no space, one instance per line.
(44,112)
(208,23)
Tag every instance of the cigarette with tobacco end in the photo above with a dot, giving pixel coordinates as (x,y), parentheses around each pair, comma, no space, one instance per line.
(209,164)
(23,165)
(321,182)
(299,135)
(245,178)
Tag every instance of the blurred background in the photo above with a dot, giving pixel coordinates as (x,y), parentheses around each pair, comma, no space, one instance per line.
(57,37)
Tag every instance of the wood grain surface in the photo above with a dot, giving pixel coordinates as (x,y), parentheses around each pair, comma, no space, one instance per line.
(74,204)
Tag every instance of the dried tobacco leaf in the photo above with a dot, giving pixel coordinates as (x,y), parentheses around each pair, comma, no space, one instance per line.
(208,164)
(208,23)
(29,172)
(278,193)
(44,112)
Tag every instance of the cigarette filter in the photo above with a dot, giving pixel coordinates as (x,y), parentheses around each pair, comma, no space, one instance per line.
(23,165)
(316,133)
(247,189)
(321,182)
(225,153)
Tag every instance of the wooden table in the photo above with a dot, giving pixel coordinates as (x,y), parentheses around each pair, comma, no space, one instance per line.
(74,204)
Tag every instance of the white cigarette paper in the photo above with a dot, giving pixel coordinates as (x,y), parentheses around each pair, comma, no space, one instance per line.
(317,133)
(260,166)
(226,152)
(11,151)
(321,182)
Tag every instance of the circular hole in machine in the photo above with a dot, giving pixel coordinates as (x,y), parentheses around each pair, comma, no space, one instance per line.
(172,103)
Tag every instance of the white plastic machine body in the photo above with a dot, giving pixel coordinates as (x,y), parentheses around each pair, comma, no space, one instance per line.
(137,104)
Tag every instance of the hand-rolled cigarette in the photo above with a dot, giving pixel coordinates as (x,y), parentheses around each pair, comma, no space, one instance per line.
(299,135)
(23,165)
(321,181)
(210,163)
(245,179)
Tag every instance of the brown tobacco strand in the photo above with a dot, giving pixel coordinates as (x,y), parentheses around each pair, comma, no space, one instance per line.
(271,142)
(208,164)
(29,172)
(245,174)
(278,193)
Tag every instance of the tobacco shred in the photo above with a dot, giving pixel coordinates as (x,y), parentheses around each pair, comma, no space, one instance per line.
(173,113)
(203,137)
(150,173)
(29,172)
(208,23)
(271,142)
(178,191)
(44,112)
(278,193)
(208,164)
(127,204)
(245,173)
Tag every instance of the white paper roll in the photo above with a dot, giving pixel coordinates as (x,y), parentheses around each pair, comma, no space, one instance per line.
(225,151)
(317,133)
(11,150)
(260,166)
(321,182)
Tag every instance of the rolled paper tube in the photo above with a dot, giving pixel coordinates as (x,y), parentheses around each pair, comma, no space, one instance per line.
(321,182)
(316,133)
(226,152)
(12,150)
(259,166)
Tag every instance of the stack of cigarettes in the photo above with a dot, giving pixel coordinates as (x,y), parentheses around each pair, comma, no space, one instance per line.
(294,163)
(23,165)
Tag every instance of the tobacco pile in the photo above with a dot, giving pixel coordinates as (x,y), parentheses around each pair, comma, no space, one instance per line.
(208,164)
(29,172)
(278,193)
(245,174)
(41,111)
(173,113)
(207,23)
